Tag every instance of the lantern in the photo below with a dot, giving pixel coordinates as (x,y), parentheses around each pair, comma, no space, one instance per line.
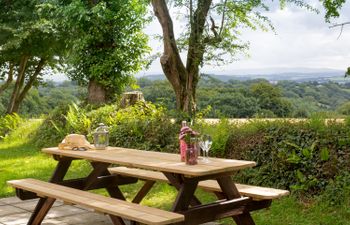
(101,137)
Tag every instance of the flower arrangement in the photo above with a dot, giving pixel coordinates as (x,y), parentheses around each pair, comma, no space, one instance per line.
(188,149)
(186,133)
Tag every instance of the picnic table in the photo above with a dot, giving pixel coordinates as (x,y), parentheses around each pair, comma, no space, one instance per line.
(127,163)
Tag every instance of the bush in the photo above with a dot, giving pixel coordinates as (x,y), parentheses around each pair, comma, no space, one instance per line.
(9,123)
(303,156)
(142,126)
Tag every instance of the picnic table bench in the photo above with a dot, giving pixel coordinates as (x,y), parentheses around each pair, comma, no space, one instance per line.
(99,203)
(150,177)
(235,200)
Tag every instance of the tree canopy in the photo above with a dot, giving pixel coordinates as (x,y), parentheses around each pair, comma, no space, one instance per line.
(29,44)
(108,45)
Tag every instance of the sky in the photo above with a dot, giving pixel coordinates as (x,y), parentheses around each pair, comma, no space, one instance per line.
(302,40)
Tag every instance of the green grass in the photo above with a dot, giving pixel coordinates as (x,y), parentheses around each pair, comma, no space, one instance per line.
(20,159)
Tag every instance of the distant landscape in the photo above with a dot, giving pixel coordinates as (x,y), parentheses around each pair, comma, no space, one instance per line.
(275,75)
(273,93)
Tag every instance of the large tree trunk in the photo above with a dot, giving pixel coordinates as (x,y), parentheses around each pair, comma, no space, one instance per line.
(183,79)
(9,79)
(171,63)
(96,93)
(18,85)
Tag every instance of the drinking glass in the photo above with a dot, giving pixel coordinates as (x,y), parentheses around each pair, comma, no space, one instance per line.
(205,143)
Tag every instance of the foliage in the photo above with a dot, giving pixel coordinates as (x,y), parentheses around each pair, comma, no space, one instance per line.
(304,156)
(332,8)
(19,159)
(143,126)
(9,123)
(344,109)
(30,46)
(337,191)
(254,98)
(107,43)
(43,99)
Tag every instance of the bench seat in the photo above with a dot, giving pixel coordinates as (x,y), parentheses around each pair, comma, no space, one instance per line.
(103,204)
(254,192)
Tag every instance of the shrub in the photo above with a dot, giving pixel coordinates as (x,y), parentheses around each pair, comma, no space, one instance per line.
(143,126)
(9,123)
(53,128)
(303,156)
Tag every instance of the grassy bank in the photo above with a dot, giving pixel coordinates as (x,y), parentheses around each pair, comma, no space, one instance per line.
(19,158)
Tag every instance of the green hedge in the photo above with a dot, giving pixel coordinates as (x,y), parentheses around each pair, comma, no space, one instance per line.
(308,156)
(305,156)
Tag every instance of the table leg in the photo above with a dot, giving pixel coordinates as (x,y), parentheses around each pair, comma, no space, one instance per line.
(186,188)
(178,182)
(229,189)
(45,204)
(143,191)
(101,169)
(41,209)
(116,220)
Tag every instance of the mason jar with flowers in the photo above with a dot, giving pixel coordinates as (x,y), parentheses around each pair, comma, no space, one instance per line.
(188,144)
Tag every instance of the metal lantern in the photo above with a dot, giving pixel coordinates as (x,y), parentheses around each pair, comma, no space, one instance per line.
(101,137)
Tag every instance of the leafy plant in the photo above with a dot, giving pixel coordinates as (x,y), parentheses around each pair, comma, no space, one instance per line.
(8,123)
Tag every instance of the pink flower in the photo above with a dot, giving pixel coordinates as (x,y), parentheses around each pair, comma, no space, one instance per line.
(187,131)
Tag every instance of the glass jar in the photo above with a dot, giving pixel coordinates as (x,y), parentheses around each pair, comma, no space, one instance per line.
(192,152)
(101,137)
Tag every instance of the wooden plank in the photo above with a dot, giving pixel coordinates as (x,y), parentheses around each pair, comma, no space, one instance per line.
(159,161)
(127,210)
(255,192)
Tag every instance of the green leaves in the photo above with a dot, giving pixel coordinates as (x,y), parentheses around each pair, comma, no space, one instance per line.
(106,39)
(324,154)
(332,8)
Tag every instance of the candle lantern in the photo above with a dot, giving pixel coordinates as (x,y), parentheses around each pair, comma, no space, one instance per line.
(101,137)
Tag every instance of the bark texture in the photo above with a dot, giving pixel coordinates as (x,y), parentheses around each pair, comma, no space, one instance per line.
(184,79)
(96,93)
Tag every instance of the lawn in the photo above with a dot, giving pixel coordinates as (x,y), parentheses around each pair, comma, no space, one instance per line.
(20,159)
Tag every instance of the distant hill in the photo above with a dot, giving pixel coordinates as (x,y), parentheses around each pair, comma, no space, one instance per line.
(317,75)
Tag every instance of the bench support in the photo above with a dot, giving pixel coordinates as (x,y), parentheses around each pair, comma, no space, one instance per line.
(116,220)
(177,181)
(40,211)
(230,191)
(143,191)
(214,211)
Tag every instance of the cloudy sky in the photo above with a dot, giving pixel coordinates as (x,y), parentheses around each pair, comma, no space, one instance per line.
(302,40)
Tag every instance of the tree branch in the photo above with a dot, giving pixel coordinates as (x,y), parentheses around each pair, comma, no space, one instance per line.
(341,25)
(19,82)
(31,80)
(214,27)
(223,18)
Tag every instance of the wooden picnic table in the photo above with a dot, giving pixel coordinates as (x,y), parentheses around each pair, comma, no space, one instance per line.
(184,178)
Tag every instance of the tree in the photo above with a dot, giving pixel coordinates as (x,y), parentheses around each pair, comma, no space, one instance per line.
(270,98)
(212,32)
(29,44)
(107,44)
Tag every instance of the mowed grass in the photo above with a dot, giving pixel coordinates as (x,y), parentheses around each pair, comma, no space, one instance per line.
(20,159)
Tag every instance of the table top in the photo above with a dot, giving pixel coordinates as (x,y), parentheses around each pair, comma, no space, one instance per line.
(158,161)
